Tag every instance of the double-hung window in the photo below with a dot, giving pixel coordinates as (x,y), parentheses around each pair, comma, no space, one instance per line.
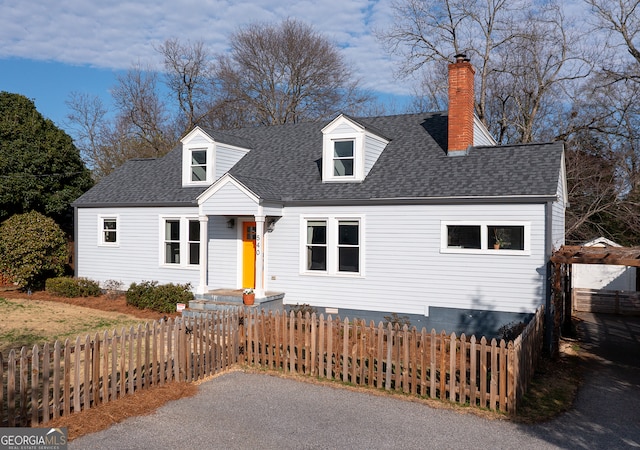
(348,246)
(316,257)
(172,241)
(486,237)
(332,246)
(199,165)
(108,230)
(181,241)
(194,242)
(343,158)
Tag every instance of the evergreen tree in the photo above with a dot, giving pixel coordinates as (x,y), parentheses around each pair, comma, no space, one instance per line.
(40,167)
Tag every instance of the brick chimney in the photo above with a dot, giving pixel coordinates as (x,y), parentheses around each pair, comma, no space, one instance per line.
(461,106)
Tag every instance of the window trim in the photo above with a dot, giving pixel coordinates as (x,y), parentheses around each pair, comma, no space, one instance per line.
(328,157)
(484,237)
(187,167)
(335,158)
(193,165)
(101,230)
(183,240)
(332,246)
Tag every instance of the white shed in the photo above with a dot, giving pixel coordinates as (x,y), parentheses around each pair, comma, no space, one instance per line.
(604,287)
(600,276)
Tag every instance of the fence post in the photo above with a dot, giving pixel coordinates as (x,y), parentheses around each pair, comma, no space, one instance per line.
(46,365)
(35,385)
(453,344)
(95,382)
(11,388)
(511,378)
(387,383)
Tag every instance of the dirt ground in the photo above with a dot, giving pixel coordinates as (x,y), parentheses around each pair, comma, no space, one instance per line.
(103,303)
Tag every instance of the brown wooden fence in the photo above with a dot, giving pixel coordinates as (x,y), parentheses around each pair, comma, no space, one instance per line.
(43,384)
(605,301)
(481,373)
(51,381)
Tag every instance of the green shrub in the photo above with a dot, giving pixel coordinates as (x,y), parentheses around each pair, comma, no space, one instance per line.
(161,298)
(73,287)
(32,249)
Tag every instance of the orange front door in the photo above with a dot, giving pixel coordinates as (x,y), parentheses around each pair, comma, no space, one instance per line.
(248,255)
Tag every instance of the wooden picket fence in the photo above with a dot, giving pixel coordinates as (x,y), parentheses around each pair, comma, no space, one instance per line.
(480,373)
(48,382)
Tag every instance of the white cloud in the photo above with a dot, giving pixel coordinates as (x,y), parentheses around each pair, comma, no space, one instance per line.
(115,34)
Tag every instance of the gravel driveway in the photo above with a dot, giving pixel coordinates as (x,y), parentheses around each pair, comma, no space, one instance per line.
(245,411)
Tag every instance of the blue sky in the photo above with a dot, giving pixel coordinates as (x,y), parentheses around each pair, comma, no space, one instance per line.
(49,49)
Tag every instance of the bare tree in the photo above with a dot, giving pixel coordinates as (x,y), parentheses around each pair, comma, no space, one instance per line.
(521,58)
(532,74)
(189,74)
(285,73)
(143,115)
(619,21)
(87,117)
(140,128)
(430,33)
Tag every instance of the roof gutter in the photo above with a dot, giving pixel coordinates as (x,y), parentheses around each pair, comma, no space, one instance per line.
(423,200)
(134,205)
(350,201)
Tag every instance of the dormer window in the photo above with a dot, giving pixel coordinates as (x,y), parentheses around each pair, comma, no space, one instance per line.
(349,150)
(198,159)
(343,158)
(199,164)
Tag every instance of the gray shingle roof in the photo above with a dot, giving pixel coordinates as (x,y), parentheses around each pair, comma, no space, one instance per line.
(285,165)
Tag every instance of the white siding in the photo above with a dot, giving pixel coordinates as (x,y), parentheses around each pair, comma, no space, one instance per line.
(226,158)
(599,276)
(198,139)
(405,270)
(372,149)
(223,252)
(558,216)
(344,128)
(229,200)
(481,135)
(138,254)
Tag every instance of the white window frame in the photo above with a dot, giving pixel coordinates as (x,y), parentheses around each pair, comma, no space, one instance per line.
(485,247)
(328,157)
(101,230)
(187,166)
(332,245)
(183,240)
(351,158)
(193,166)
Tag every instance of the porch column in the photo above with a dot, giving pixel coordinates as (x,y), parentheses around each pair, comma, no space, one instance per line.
(202,285)
(259,290)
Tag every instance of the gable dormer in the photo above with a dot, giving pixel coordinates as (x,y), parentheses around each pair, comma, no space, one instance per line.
(198,158)
(207,155)
(349,150)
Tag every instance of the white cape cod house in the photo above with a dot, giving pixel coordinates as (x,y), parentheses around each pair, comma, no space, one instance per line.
(415,214)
